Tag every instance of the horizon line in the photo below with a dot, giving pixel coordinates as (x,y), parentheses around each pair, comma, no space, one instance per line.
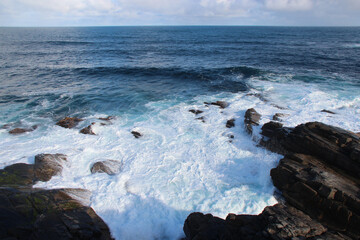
(178,25)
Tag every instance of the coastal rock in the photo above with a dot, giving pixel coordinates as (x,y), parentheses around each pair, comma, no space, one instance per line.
(136,134)
(221,104)
(252,118)
(275,222)
(108,118)
(111,167)
(22,174)
(48,214)
(259,96)
(196,112)
(69,122)
(202,119)
(230,123)
(16,131)
(319,179)
(48,165)
(88,130)
(278,116)
(327,111)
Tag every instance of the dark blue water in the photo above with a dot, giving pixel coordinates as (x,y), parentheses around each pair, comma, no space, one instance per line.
(118,69)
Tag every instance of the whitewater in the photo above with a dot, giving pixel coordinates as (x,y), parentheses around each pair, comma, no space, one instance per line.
(181,164)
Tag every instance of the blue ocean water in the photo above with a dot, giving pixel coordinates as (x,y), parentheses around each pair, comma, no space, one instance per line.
(149,77)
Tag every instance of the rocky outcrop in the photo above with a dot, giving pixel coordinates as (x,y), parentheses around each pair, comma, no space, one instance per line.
(88,130)
(111,167)
(48,214)
(319,179)
(29,213)
(69,122)
(45,167)
(278,116)
(252,118)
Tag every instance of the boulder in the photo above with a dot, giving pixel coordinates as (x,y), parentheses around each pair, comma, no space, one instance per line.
(252,118)
(88,130)
(111,167)
(278,116)
(196,112)
(69,122)
(16,131)
(48,165)
(136,134)
(221,104)
(230,123)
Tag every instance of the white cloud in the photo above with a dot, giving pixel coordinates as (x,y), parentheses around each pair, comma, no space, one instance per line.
(289,5)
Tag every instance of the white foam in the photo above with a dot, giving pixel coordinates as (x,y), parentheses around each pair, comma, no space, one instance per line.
(181,164)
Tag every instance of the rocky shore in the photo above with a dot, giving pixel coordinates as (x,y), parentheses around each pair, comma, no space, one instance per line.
(318,182)
(31,213)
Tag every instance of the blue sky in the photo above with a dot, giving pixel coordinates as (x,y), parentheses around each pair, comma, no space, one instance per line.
(179,12)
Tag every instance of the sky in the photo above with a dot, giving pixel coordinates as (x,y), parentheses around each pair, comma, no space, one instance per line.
(179,12)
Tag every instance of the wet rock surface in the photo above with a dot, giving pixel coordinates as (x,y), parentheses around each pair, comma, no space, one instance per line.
(319,180)
(88,130)
(16,131)
(196,112)
(136,134)
(111,167)
(230,123)
(252,118)
(278,116)
(221,104)
(69,122)
(29,213)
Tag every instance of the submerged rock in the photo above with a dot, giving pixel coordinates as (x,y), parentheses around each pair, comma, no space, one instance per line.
(221,104)
(252,118)
(108,118)
(196,112)
(16,131)
(279,116)
(111,167)
(88,130)
(327,111)
(69,122)
(230,123)
(136,134)
(201,119)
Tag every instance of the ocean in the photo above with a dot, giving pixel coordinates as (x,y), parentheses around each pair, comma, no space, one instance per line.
(149,78)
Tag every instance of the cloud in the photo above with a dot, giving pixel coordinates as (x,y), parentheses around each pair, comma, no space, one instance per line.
(289,5)
(178,12)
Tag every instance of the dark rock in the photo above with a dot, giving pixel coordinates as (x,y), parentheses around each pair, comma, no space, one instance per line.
(136,134)
(278,116)
(6,126)
(21,174)
(88,130)
(201,119)
(327,111)
(276,222)
(259,96)
(48,214)
(111,167)
(252,118)
(230,123)
(22,130)
(69,122)
(108,118)
(48,165)
(221,104)
(196,112)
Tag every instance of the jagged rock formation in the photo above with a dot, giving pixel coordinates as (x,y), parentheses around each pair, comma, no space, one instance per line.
(252,118)
(320,182)
(29,213)
(88,130)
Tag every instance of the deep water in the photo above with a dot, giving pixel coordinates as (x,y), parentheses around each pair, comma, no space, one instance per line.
(149,78)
